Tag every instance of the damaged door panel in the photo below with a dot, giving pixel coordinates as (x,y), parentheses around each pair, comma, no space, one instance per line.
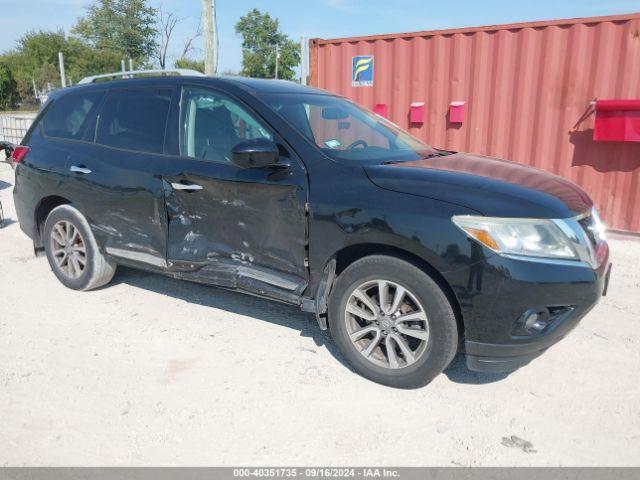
(231,226)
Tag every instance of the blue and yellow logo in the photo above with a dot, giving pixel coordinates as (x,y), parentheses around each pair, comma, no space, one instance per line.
(362,71)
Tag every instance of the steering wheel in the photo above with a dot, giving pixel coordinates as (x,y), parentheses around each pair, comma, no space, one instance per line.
(356,143)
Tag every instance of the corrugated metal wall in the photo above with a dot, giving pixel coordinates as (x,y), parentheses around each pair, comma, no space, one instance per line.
(525,86)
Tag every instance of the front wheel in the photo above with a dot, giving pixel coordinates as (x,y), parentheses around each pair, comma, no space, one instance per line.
(73,252)
(392,322)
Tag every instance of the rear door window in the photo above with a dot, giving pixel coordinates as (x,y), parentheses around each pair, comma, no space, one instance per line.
(68,116)
(135,119)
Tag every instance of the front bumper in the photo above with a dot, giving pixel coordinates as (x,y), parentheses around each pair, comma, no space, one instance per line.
(511,288)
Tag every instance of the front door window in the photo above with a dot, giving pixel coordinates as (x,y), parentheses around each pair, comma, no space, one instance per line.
(212,124)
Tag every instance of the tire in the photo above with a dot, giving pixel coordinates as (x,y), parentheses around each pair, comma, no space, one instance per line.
(97,270)
(432,343)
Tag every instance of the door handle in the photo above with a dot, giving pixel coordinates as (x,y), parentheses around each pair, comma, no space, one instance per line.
(188,187)
(77,169)
(282,165)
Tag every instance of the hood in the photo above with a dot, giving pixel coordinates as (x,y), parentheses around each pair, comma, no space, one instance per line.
(490,186)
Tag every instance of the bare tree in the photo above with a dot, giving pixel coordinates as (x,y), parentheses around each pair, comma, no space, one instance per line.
(188,43)
(167,22)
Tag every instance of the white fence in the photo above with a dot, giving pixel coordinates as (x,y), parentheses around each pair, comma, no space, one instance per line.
(13,126)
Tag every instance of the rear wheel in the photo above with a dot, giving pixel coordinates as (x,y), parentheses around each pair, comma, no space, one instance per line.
(73,252)
(392,322)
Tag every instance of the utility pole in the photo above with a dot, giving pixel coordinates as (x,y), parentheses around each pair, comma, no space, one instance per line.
(303,61)
(210,37)
(63,80)
(214,20)
(277,59)
(122,65)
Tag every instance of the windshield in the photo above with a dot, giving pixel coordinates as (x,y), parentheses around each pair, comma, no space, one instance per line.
(345,131)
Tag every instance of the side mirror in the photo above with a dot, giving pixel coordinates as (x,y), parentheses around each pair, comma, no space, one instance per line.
(256,153)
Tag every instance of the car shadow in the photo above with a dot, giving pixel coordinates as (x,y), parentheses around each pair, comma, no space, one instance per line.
(270,311)
(458,372)
(234,302)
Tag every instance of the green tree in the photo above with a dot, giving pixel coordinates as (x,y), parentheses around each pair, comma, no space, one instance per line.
(260,37)
(126,27)
(9,96)
(35,59)
(187,63)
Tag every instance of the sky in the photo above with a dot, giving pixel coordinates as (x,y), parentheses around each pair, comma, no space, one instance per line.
(320,18)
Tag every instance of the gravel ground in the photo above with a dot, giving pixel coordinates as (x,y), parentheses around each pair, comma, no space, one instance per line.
(150,370)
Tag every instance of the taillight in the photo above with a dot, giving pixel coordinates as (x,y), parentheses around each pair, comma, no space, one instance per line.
(19,153)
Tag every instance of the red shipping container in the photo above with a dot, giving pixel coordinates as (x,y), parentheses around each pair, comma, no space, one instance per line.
(416,112)
(617,121)
(456,112)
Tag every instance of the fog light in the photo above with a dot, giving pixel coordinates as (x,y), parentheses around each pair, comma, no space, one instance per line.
(535,322)
(532,322)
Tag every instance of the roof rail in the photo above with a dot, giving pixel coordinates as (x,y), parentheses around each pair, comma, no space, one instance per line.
(179,71)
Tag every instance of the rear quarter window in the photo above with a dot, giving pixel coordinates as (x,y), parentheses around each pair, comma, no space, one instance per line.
(69,115)
(135,119)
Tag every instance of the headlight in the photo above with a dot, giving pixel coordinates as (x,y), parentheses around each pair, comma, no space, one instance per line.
(598,228)
(519,236)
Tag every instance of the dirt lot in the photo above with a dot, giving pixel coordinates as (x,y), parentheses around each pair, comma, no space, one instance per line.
(150,370)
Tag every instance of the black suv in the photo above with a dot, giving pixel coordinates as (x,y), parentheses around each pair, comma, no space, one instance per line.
(406,253)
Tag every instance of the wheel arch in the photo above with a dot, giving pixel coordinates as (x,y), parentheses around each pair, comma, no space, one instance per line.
(41,212)
(350,254)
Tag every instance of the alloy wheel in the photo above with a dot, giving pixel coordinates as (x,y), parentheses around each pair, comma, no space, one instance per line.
(68,249)
(387,324)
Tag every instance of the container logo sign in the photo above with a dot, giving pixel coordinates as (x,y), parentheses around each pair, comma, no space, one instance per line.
(362,71)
